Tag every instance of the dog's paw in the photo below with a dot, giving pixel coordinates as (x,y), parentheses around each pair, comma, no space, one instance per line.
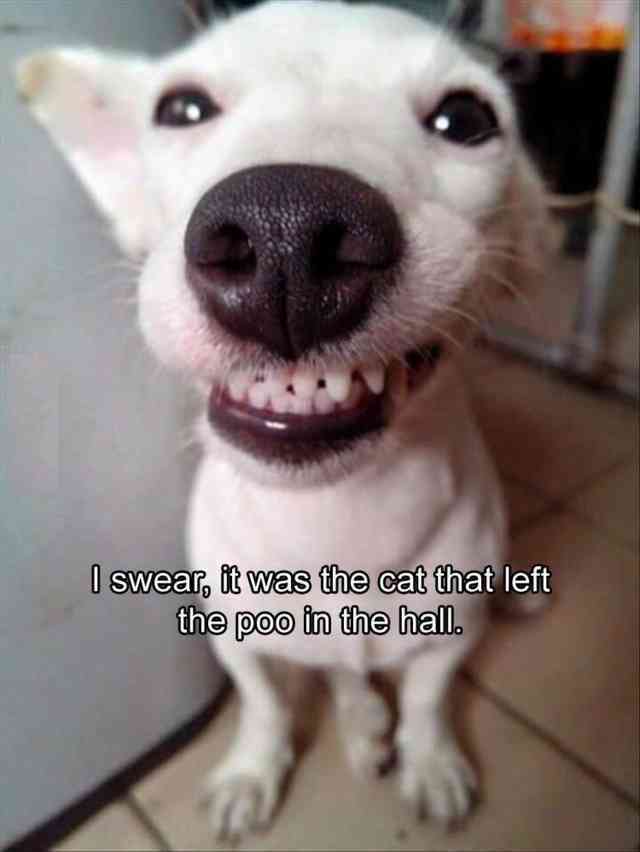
(368,756)
(363,728)
(241,801)
(438,783)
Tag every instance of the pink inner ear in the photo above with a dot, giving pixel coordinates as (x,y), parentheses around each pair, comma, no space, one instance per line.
(88,104)
(109,138)
(101,131)
(88,121)
(101,142)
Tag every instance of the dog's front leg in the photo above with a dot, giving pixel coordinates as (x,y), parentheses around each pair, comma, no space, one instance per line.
(245,787)
(435,776)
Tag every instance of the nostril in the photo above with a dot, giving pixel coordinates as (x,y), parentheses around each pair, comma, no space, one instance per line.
(326,250)
(229,250)
(338,248)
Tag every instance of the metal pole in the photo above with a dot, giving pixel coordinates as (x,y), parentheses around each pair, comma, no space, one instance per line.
(558,356)
(619,161)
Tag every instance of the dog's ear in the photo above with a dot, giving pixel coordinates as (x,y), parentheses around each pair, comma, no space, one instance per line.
(89,103)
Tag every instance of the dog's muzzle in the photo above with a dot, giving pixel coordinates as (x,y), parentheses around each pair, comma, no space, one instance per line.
(291,256)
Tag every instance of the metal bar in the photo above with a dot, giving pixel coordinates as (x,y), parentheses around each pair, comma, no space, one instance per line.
(619,162)
(559,356)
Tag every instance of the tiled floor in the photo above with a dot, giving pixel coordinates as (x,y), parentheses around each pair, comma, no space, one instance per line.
(548,705)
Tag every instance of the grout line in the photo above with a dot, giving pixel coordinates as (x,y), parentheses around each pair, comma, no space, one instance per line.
(539,731)
(614,537)
(505,476)
(577,489)
(142,816)
(562,503)
(535,518)
(560,506)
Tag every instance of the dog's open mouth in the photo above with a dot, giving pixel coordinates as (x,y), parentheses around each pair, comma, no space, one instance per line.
(298,414)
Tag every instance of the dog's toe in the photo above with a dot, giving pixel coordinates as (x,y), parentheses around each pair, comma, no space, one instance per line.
(439,783)
(363,726)
(240,805)
(368,756)
(240,800)
(234,808)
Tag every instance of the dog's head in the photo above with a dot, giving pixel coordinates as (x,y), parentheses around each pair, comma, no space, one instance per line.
(324,196)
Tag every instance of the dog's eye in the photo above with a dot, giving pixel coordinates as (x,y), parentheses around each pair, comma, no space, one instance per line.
(463,118)
(185,107)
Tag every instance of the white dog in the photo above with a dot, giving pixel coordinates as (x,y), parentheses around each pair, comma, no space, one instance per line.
(323,196)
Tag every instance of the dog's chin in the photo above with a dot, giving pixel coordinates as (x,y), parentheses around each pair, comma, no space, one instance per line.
(295,427)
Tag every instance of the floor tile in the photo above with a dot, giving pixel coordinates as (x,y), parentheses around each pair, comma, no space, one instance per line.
(114,828)
(573,669)
(548,433)
(612,502)
(534,798)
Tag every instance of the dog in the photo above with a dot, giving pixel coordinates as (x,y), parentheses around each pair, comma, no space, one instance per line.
(323,198)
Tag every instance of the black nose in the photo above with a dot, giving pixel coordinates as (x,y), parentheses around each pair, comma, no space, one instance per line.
(291,256)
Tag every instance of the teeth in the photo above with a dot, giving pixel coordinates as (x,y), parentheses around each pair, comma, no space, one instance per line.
(354,396)
(374,377)
(305,382)
(258,396)
(338,384)
(275,384)
(238,385)
(269,389)
(282,404)
(322,402)
(300,405)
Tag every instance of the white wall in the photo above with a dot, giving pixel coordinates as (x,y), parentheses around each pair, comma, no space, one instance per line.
(90,465)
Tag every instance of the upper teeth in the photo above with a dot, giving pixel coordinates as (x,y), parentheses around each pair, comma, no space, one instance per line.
(338,384)
(305,382)
(305,390)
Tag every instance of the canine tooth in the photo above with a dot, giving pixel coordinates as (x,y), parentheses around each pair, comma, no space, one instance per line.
(322,402)
(338,384)
(258,396)
(373,375)
(305,382)
(301,405)
(238,385)
(354,396)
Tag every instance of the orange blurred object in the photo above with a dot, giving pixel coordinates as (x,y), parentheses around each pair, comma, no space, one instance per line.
(564,26)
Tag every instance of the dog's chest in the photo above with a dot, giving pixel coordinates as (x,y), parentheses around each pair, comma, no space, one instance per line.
(417,514)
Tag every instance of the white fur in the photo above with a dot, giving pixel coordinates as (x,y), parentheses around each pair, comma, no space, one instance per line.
(343,86)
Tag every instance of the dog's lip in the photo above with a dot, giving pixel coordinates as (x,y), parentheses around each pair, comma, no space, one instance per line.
(299,438)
